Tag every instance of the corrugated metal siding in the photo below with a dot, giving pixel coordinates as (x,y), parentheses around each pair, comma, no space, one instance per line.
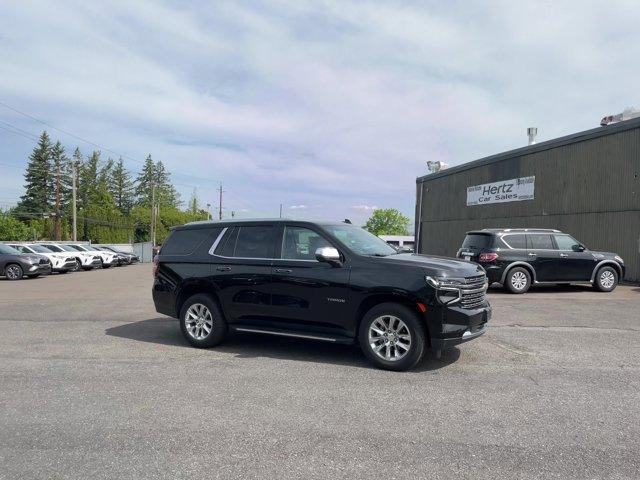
(590,189)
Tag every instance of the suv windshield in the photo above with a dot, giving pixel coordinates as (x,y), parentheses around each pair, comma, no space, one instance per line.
(360,241)
(66,248)
(39,249)
(78,248)
(9,250)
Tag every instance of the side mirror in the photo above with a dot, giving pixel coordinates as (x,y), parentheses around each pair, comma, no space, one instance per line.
(329,255)
(578,248)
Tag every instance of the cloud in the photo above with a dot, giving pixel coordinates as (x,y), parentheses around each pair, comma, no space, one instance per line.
(306,103)
(365,207)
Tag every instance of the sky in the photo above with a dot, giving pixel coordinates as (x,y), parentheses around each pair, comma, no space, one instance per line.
(330,108)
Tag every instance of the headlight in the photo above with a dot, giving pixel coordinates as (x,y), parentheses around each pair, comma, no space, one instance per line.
(447,289)
(618,258)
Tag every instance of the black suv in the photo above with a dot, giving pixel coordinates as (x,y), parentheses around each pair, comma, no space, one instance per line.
(331,282)
(520,257)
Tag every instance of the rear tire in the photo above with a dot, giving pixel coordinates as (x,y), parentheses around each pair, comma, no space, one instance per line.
(606,279)
(13,271)
(202,322)
(392,337)
(518,280)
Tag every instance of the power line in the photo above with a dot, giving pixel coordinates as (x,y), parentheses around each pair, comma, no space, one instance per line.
(100,147)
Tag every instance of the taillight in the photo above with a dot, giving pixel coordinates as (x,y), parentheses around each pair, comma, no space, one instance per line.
(156,261)
(488,257)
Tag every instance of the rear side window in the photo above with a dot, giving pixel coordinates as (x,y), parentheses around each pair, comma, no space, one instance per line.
(185,242)
(249,242)
(515,241)
(540,242)
(477,240)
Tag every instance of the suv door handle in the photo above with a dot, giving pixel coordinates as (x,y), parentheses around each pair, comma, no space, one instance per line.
(564,255)
(223,269)
(532,254)
(283,270)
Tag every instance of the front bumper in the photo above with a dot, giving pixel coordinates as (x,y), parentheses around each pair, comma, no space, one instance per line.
(459,326)
(38,269)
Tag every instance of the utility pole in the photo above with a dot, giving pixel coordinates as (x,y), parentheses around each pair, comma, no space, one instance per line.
(73,200)
(220,203)
(58,226)
(280,210)
(153,214)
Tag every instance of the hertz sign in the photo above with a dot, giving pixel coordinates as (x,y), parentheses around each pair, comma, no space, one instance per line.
(513,190)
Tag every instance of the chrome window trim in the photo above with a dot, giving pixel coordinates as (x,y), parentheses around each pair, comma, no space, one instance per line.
(217,241)
(511,235)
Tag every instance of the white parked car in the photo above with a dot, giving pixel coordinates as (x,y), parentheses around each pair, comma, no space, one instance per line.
(108,258)
(59,262)
(86,260)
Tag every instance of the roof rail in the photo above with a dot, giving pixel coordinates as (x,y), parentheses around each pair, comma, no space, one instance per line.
(551,230)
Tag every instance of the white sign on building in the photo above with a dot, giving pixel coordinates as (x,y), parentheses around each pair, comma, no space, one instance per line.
(513,190)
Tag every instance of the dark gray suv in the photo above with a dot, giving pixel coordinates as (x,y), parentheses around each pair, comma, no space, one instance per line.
(15,265)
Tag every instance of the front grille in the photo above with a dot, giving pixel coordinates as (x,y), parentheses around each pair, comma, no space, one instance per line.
(44,261)
(473,293)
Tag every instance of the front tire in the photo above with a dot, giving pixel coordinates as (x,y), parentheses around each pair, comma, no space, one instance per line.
(606,279)
(202,322)
(13,271)
(518,280)
(392,337)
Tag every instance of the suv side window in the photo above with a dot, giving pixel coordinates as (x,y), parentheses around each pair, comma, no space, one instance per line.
(515,241)
(299,243)
(565,242)
(540,241)
(185,242)
(255,242)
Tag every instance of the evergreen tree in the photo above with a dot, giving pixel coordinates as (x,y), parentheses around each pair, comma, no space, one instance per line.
(37,198)
(166,194)
(194,206)
(144,182)
(60,187)
(121,187)
(87,189)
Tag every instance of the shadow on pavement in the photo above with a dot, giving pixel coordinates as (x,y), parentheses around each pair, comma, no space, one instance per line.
(166,331)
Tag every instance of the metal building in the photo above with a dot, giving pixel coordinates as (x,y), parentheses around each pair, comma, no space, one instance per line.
(586,184)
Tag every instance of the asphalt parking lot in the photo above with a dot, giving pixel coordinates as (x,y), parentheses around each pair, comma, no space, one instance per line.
(95,384)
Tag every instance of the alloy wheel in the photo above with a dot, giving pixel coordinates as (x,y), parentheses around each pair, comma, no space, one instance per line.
(519,280)
(389,338)
(198,321)
(607,279)
(13,272)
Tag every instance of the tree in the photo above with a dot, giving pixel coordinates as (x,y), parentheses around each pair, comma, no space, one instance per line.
(145,182)
(13,229)
(194,203)
(37,198)
(166,194)
(121,187)
(387,221)
(61,180)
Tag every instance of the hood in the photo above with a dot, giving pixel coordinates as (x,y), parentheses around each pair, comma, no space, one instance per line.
(603,255)
(34,257)
(434,265)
